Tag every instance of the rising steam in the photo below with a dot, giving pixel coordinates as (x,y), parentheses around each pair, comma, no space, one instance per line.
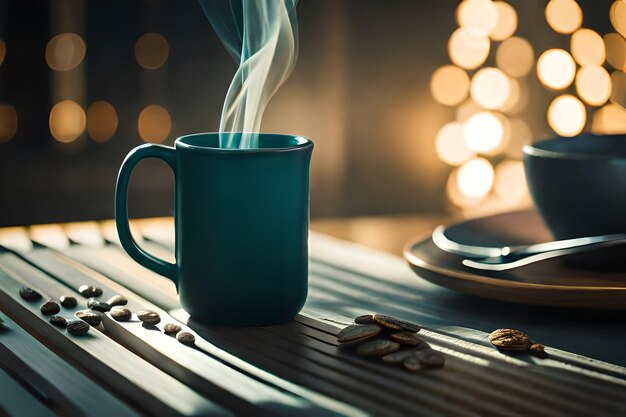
(262,35)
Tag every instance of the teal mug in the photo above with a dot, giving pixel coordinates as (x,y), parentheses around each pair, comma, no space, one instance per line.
(241,220)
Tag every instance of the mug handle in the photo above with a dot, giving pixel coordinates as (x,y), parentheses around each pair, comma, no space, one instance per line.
(167,155)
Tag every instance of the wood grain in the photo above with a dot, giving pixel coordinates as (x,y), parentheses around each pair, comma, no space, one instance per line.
(141,383)
(54,377)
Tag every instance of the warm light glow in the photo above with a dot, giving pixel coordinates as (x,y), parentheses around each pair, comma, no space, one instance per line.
(449,85)
(154,124)
(65,51)
(151,51)
(67,121)
(608,120)
(468,50)
(567,115)
(507,22)
(490,88)
(556,69)
(593,85)
(478,16)
(3,51)
(514,103)
(564,16)
(450,145)
(587,47)
(101,121)
(483,132)
(618,95)
(615,47)
(467,110)
(520,135)
(617,14)
(515,56)
(8,122)
(475,178)
(510,183)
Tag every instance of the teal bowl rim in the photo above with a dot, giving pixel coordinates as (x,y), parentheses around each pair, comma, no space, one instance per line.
(302,143)
(533,150)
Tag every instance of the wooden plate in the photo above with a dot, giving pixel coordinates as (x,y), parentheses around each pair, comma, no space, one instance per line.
(550,282)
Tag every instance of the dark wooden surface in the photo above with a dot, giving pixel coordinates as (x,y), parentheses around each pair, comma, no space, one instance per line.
(291,369)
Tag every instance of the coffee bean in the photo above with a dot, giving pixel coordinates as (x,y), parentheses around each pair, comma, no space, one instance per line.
(89,317)
(90,291)
(186,338)
(396,324)
(538,350)
(406,338)
(68,301)
(149,317)
(424,359)
(121,313)
(400,356)
(29,294)
(358,332)
(171,328)
(49,308)
(95,304)
(509,339)
(117,300)
(77,327)
(365,319)
(377,347)
(58,321)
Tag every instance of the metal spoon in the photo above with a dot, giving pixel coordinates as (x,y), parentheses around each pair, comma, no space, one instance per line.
(524,255)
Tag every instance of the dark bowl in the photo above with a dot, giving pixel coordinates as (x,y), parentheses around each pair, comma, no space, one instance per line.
(579,184)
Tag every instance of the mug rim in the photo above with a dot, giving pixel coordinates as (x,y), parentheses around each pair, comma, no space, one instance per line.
(535,151)
(302,143)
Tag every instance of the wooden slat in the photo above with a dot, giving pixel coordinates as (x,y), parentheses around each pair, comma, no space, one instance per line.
(216,380)
(53,376)
(200,371)
(141,382)
(16,401)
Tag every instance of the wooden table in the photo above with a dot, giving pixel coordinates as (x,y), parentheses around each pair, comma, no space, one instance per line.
(124,369)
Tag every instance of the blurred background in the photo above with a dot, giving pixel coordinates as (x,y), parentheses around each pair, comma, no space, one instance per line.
(414,106)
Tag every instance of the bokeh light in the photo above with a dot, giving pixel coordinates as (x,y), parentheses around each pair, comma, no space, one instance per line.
(154,124)
(483,132)
(520,135)
(556,69)
(467,110)
(490,88)
(449,85)
(567,115)
(618,94)
(101,121)
(67,121)
(510,182)
(609,119)
(506,24)
(65,51)
(515,56)
(8,122)
(564,16)
(151,51)
(615,47)
(467,49)
(3,51)
(617,14)
(518,97)
(587,47)
(477,16)
(593,85)
(475,178)
(450,144)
